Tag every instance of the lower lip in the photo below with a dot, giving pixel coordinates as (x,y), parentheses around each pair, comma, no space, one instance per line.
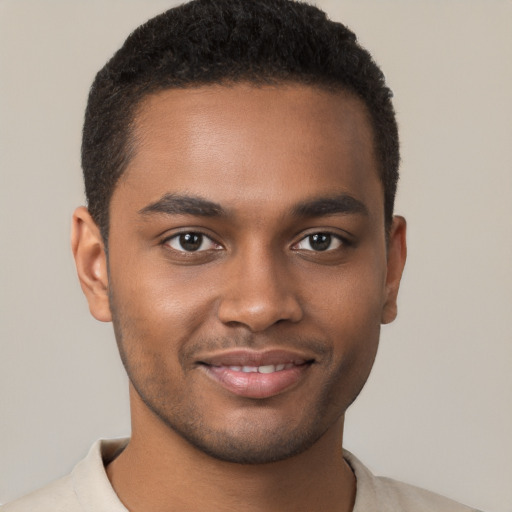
(254,384)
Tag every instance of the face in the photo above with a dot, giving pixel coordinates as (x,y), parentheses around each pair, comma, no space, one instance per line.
(248,267)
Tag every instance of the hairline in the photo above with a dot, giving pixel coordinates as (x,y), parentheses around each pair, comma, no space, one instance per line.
(129,146)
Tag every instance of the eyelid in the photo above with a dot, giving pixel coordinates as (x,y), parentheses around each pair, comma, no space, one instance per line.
(343,240)
(165,241)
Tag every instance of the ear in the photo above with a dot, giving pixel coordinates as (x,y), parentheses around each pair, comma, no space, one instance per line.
(91,263)
(397,254)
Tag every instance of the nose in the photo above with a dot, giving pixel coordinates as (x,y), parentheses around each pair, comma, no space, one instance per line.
(258,292)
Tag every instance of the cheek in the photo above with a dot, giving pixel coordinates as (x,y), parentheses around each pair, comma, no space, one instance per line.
(351,296)
(157,308)
(347,306)
(148,281)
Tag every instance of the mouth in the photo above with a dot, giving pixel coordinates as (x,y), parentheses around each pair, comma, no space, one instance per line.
(256,375)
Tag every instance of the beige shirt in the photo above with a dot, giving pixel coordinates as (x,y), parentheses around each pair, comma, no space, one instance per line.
(87,489)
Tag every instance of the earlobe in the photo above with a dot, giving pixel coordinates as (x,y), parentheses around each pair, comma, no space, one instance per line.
(397,254)
(91,263)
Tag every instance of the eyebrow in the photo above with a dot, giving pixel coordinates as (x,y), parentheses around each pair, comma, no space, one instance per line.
(339,204)
(174,204)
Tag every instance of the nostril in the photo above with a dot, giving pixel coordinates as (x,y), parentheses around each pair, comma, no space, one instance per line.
(234,324)
(259,309)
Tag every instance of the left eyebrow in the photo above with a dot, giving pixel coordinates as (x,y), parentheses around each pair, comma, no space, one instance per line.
(343,204)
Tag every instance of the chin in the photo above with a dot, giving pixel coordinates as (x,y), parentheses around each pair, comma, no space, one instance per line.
(249,444)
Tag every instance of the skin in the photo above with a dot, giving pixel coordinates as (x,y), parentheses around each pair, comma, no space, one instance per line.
(265,156)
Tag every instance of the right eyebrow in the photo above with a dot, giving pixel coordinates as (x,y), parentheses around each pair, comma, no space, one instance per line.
(175,204)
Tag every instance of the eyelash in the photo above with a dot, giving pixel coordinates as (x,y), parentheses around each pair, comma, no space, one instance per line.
(167,241)
(343,242)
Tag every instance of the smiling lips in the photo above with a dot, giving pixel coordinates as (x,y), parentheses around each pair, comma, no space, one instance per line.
(256,374)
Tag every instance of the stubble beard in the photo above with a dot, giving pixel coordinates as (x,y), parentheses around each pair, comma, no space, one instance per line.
(247,441)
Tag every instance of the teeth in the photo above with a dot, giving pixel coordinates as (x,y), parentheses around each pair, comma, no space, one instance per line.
(269,368)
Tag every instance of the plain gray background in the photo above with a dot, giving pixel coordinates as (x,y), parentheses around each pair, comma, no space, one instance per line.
(437,411)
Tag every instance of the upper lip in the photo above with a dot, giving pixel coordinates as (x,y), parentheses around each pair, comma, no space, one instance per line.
(246,357)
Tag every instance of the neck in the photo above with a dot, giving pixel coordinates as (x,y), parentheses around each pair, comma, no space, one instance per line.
(162,472)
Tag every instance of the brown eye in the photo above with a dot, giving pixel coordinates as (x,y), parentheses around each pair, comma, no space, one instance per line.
(191,242)
(319,242)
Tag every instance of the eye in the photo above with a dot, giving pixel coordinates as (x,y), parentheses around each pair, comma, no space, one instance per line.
(319,242)
(191,242)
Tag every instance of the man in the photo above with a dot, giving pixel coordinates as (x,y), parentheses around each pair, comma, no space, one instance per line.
(240,161)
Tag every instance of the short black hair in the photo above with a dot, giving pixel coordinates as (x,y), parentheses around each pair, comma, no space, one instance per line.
(225,42)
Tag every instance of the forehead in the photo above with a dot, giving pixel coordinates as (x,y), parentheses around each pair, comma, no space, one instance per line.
(276,144)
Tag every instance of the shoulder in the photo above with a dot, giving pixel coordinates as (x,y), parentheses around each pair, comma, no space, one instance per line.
(55,497)
(379,494)
(411,498)
(85,489)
